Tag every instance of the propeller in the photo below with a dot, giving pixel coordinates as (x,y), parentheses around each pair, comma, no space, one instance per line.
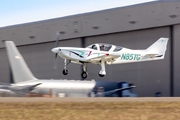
(56,45)
(55,62)
(57,39)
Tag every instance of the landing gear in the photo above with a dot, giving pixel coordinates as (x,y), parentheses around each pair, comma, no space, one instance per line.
(65,71)
(84,74)
(102,72)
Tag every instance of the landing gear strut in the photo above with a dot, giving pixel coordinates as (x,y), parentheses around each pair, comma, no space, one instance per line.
(102,72)
(65,71)
(84,74)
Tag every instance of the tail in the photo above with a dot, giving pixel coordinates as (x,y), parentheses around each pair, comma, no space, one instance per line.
(19,67)
(159,47)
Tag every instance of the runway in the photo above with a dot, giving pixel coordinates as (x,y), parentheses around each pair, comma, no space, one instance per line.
(138,99)
(141,108)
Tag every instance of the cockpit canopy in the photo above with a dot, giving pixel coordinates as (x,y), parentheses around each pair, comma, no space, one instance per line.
(104,47)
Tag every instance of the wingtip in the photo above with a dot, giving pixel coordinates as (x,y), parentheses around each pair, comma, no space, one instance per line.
(5,41)
(132,86)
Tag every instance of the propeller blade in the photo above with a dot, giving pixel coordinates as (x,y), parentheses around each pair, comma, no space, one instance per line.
(55,64)
(55,55)
(56,45)
(55,61)
(57,39)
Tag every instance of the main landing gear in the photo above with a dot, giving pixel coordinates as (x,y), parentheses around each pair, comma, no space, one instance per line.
(65,71)
(102,72)
(84,74)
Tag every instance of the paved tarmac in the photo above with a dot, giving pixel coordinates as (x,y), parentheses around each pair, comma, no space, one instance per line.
(138,99)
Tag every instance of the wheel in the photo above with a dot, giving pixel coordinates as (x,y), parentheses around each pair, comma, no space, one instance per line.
(84,74)
(101,75)
(65,72)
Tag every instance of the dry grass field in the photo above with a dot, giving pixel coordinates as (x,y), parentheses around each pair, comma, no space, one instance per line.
(89,109)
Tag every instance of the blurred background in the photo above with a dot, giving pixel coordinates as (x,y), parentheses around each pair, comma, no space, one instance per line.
(134,26)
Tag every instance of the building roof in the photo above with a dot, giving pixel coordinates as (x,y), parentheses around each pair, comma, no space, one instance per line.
(128,18)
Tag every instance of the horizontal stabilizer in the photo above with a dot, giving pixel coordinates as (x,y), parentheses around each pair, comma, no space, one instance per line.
(25,89)
(152,56)
(29,87)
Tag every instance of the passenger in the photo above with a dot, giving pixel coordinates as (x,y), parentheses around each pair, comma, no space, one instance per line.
(102,48)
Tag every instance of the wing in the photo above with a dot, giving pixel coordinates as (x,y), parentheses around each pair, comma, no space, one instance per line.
(115,90)
(108,57)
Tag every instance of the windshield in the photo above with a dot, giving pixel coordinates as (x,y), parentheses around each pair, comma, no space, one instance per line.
(93,46)
(118,48)
(104,47)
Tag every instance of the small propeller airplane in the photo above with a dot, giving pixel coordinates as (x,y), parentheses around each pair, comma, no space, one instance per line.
(102,54)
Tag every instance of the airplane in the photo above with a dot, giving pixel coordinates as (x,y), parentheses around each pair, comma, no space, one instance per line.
(26,82)
(102,54)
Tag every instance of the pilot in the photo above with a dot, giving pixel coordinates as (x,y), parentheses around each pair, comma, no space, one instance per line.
(102,48)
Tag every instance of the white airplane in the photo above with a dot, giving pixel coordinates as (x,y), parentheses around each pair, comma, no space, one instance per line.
(102,54)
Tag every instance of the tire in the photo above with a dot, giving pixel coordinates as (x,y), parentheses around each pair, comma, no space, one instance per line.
(84,74)
(101,75)
(65,72)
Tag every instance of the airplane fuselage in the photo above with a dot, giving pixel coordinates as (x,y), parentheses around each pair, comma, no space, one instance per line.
(71,88)
(79,55)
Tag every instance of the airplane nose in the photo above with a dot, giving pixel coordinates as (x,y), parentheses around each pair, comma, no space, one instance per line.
(55,50)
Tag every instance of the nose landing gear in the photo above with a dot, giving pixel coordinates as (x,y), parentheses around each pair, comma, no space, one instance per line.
(65,71)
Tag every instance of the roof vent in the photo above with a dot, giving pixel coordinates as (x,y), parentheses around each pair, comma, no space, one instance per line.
(32,37)
(172,16)
(95,27)
(132,22)
(62,32)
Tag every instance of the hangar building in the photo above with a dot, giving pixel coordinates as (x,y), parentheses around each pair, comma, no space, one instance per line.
(135,27)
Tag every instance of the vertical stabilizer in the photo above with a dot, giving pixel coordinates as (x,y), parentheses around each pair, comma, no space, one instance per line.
(159,46)
(19,67)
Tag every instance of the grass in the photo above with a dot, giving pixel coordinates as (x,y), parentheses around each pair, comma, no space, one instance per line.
(90,111)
